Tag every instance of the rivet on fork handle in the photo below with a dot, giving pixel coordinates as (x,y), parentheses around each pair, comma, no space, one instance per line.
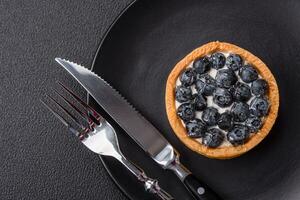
(151,185)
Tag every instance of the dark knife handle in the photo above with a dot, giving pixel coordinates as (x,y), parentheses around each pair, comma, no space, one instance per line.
(199,189)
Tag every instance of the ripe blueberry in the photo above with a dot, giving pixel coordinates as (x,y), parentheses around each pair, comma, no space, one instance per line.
(226,78)
(242,92)
(210,116)
(259,87)
(218,60)
(238,135)
(202,65)
(206,85)
(213,138)
(234,62)
(240,111)
(188,77)
(186,111)
(248,74)
(259,106)
(222,97)
(195,128)
(199,102)
(253,123)
(183,94)
(225,121)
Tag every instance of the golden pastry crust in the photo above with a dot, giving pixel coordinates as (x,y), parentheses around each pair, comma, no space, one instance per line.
(224,152)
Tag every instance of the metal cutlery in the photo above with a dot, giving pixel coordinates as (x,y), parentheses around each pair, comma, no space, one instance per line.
(138,128)
(99,136)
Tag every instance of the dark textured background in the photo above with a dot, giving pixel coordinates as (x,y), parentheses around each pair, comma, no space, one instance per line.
(32,163)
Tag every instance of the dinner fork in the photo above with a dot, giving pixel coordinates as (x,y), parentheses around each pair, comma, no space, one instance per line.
(99,136)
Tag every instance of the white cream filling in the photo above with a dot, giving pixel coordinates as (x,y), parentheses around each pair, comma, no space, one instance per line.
(212,72)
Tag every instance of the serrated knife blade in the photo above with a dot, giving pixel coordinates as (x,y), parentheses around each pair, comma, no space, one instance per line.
(136,126)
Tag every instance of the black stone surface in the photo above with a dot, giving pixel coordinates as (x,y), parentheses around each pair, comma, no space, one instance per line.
(38,159)
(41,163)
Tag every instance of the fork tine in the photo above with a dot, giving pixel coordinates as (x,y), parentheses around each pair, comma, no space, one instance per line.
(68,113)
(82,114)
(62,119)
(89,109)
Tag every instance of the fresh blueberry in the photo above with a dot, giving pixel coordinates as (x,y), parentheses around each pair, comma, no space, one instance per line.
(210,116)
(210,84)
(225,121)
(238,135)
(183,94)
(259,106)
(202,76)
(195,128)
(188,77)
(234,62)
(259,87)
(232,90)
(206,85)
(202,65)
(254,124)
(242,92)
(222,97)
(186,111)
(218,60)
(248,74)
(199,102)
(240,111)
(226,78)
(200,86)
(213,138)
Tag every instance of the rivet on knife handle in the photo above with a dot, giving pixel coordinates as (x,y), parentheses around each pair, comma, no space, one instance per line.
(199,190)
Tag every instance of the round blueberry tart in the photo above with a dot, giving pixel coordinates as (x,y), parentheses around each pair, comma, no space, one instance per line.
(221,100)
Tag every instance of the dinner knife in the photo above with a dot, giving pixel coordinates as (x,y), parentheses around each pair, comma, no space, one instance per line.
(137,127)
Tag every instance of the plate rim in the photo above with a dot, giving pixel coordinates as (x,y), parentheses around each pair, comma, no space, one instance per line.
(112,24)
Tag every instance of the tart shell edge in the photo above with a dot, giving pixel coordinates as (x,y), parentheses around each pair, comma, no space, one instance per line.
(179,129)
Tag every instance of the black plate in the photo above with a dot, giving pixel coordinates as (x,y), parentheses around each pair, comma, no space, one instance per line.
(146,42)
